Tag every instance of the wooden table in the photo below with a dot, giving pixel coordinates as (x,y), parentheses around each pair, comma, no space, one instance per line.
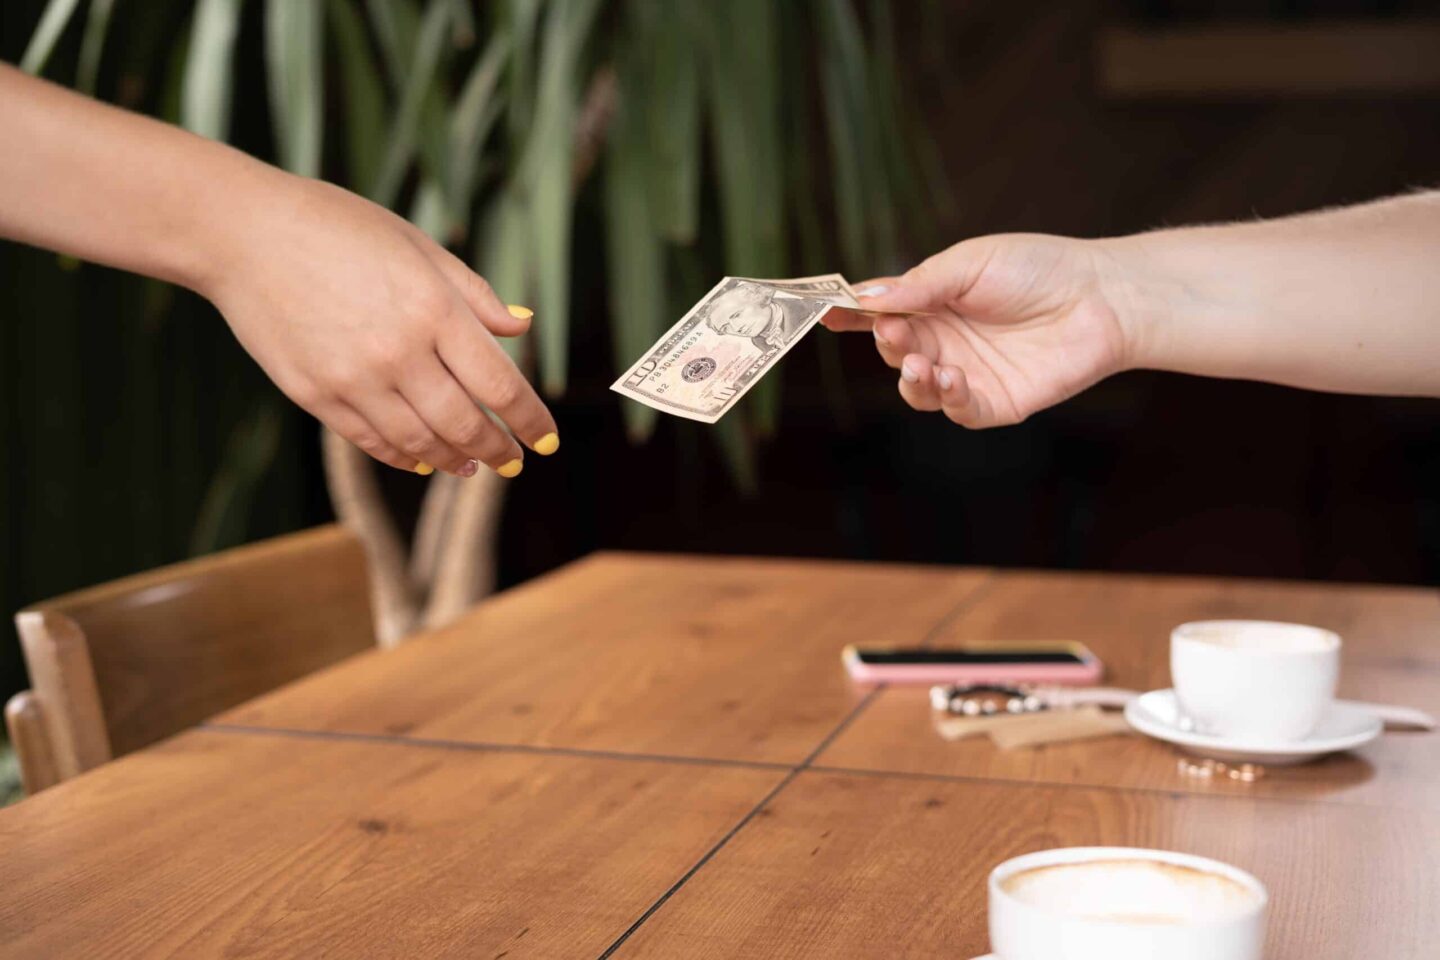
(658,756)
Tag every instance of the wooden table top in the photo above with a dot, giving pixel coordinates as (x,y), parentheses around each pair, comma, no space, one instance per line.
(1391,654)
(718,658)
(660,756)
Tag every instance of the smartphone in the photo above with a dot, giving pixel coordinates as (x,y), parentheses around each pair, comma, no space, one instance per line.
(1010,663)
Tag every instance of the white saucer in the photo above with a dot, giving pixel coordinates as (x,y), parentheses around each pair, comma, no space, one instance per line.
(1345,726)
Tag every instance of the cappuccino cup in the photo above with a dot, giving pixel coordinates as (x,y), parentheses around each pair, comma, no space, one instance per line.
(1252,679)
(1121,903)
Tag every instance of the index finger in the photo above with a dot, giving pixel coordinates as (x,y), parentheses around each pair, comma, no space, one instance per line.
(489,375)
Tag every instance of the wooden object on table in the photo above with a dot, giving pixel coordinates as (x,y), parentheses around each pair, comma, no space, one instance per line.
(1259,59)
(118,666)
(1390,654)
(1058,726)
(242,845)
(850,865)
(1011,730)
(718,657)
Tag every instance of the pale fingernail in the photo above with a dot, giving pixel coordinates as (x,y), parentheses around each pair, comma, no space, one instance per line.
(519,312)
(469,468)
(879,339)
(874,290)
(511,469)
(424,469)
(547,444)
(909,373)
(945,380)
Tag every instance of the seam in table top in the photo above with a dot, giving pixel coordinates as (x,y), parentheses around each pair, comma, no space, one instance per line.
(956,611)
(948,617)
(740,825)
(480,746)
(971,596)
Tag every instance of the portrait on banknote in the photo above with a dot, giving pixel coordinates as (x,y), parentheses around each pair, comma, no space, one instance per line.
(768,317)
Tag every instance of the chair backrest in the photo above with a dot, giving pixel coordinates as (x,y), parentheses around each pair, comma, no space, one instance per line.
(118,666)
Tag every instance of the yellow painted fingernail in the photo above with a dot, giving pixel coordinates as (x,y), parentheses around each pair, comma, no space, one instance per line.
(511,469)
(424,469)
(519,312)
(547,444)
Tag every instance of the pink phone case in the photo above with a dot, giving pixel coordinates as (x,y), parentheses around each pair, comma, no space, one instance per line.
(1064,674)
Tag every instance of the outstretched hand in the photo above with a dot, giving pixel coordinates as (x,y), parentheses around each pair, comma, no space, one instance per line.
(380,332)
(1017,323)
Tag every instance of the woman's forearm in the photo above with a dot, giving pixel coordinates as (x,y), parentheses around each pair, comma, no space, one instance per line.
(356,314)
(117,188)
(1345,300)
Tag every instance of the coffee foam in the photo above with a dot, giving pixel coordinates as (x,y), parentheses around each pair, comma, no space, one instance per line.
(1135,892)
(1261,637)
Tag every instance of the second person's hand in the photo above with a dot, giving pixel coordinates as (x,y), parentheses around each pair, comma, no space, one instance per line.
(1018,322)
(374,328)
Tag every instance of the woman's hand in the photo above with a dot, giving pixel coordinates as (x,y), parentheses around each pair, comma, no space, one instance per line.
(370,325)
(1018,323)
(357,315)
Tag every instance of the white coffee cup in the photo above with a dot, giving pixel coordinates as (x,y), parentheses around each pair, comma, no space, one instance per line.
(1254,680)
(1121,903)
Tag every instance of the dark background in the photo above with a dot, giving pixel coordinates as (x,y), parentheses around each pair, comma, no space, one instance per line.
(110,447)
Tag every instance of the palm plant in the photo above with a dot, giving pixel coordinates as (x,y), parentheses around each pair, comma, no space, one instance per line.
(484,123)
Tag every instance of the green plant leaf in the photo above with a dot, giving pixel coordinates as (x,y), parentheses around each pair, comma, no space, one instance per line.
(430,211)
(152,33)
(398,24)
(635,254)
(294,54)
(205,93)
(854,153)
(546,168)
(385,18)
(229,499)
(364,95)
(674,100)
(919,187)
(471,120)
(463,28)
(501,256)
(420,75)
(742,75)
(47,33)
(92,45)
(739,453)
(520,19)
(172,86)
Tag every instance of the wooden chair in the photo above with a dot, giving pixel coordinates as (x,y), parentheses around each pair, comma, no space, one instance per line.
(121,665)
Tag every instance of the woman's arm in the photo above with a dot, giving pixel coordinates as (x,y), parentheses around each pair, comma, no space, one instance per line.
(355,313)
(1345,300)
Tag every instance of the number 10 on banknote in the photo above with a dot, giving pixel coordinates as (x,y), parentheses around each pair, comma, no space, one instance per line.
(729,340)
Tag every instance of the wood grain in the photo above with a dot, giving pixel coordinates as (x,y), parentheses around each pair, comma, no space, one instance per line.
(28,737)
(861,866)
(702,657)
(123,664)
(251,846)
(1391,654)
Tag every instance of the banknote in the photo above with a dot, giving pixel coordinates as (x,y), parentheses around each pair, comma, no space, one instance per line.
(729,340)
